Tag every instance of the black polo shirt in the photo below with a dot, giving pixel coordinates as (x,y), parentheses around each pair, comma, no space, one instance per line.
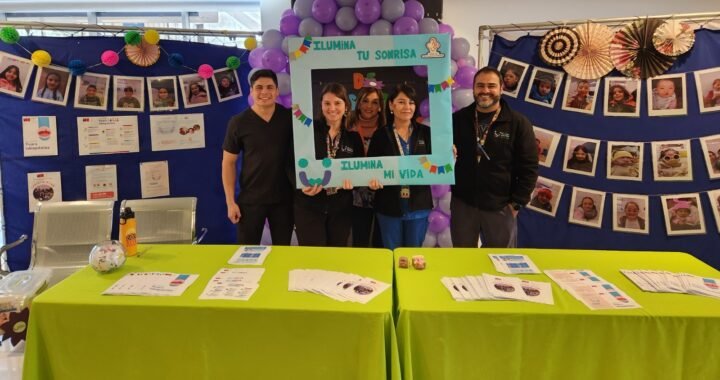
(264,149)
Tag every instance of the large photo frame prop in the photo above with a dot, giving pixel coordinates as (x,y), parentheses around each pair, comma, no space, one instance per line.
(313,55)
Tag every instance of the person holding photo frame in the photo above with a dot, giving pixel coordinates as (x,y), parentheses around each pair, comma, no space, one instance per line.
(323,216)
(402,211)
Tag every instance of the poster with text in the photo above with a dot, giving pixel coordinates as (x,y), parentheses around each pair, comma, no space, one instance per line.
(101,182)
(43,187)
(107,135)
(173,132)
(39,136)
(154,179)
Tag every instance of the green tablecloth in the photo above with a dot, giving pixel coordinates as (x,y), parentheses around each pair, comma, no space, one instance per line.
(673,336)
(76,333)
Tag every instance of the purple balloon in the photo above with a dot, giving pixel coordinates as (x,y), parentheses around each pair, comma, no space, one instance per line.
(345,19)
(332,30)
(289,24)
(381,28)
(324,10)
(439,190)
(274,59)
(420,70)
(437,221)
(310,27)
(414,9)
(446,28)
(361,30)
(287,12)
(444,203)
(255,57)
(425,113)
(303,8)
(459,48)
(464,76)
(251,101)
(272,38)
(367,11)
(462,97)
(444,239)
(466,61)
(405,25)
(285,100)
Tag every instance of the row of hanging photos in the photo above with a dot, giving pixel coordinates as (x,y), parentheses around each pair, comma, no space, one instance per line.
(667,94)
(92,91)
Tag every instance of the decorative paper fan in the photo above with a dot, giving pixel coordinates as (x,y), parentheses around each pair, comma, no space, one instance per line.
(144,54)
(673,38)
(633,53)
(593,57)
(559,46)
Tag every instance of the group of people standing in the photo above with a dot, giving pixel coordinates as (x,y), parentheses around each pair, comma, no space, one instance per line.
(495,172)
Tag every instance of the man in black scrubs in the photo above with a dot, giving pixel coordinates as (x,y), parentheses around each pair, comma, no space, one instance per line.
(496,167)
(262,134)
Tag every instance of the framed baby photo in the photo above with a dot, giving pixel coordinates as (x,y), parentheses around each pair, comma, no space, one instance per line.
(129,94)
(52,85)
(163,93)
(683,214)
(667,95)
(513,72)
(547,142)
(194,90)
(580,95)
(711,150)
(586,207)
(624,160)
(546,196)
(91,91)
(707,83)
(671,160)
(227,85)
(622,97)
(714,196)
(630,213)
(581,155)
(543,88)
(14,74)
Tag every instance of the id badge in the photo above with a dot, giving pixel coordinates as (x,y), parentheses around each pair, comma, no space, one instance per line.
(331,190)
(405,192)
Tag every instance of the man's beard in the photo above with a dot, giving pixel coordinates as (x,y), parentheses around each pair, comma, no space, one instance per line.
(489,102)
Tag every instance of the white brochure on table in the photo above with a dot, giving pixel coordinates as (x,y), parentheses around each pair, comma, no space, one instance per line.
(43,187)
(173,132)
(250,255)
(151,284)
(154,179)
(101,182)
(108,135)
(233,284)
(39,136)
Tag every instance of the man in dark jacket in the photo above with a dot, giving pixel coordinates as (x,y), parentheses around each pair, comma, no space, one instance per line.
(496,167)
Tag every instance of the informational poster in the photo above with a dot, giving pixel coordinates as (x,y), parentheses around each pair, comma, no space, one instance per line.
(108,135)
(154,179)
(43,187)
(39,136)
(173,132)
(101,182)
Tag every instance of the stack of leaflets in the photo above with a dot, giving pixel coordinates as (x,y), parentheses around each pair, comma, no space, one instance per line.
(151,284)
(669,282)
(250,255)
(591,289)
(336,285)
(233,284)
(490,287)
(513,264)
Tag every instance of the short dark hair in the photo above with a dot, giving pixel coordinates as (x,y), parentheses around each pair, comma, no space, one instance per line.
(128,88)
(90,86)
(488,70)
(263,73)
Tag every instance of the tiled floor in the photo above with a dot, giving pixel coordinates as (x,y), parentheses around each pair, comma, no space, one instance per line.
(11,366)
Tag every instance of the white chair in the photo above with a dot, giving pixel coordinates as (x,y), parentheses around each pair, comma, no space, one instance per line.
(165,220)
(65,232)
(4,267)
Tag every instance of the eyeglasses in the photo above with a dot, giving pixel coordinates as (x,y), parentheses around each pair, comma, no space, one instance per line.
(668,158)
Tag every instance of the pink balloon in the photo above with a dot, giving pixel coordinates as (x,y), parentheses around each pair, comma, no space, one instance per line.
(437,221)
(205,71)
(109,58)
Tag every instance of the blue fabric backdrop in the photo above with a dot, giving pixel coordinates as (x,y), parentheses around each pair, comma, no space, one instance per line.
(539,230)
(194,172)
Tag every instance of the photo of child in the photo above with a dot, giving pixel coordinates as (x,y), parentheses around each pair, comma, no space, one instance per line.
(714,197)
(667,95)
(682,214)
(579,156)
(547,142)
(513,73)
(546,196)
(707,83)
(580,95)
(711,150)
(671,161)
(91,91)
(586,207)
(129,93)
(14,74)
(625,161)
(52,85)
(621,97)
(162,93)
(194,90)
(543,87)
(630,213)
(227,85)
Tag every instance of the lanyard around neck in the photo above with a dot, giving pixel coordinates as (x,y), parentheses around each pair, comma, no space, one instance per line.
(399,143)
(332,144)
(481,134)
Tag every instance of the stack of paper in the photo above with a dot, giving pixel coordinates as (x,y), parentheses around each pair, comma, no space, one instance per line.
(233,284)
(336,285)
(513,264)
(669,282)
(250,255)
(490,287)
(592,290)
(151,284)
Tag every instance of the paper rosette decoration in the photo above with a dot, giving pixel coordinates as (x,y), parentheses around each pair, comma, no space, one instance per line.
(673,38)
(633,53)
(559,46)
(144,54)
(592,60)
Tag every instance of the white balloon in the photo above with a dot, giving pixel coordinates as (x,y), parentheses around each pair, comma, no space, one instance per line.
(345,19)
(283,83)
(428,26)
(284,43)
(272,38)
(252,72)
(381,28)
(310,27)
(430,240)
(459,48)
(444,238)
(303,8)
(444,203)
(392,9)
(462,97)
(453,68)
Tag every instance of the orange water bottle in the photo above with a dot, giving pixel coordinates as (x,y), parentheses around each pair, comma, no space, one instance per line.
(128,232)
